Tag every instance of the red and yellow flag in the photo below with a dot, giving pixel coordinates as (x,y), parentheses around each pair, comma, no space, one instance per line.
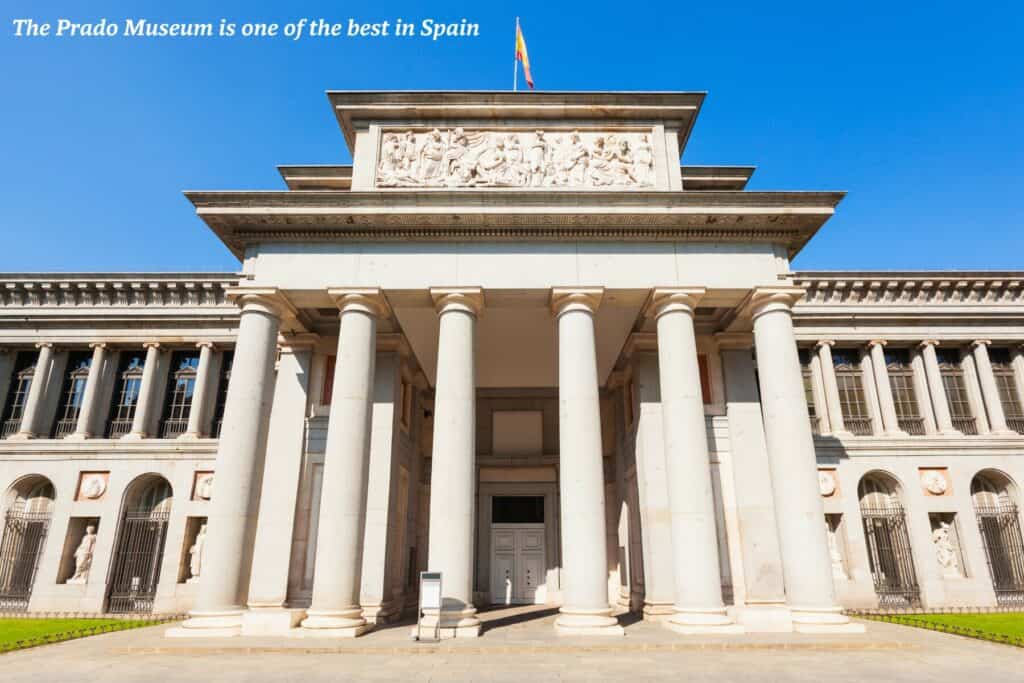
(522,55)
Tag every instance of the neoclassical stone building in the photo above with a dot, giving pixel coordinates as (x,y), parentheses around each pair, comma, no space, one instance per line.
(517,343)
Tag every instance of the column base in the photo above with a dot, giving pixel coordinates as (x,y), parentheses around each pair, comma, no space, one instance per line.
(658,611)
(587,623)
(271,621)
(383,613)
(219,624)
(714,621)
(823,620)
(449,624)
(77,436)
(21,436)
(344,623)
(763,618)
(133,436)
(190,436)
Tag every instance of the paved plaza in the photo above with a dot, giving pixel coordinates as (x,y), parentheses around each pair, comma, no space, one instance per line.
(520,645)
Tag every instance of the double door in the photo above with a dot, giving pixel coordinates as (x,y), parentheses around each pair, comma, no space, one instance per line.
(518,567)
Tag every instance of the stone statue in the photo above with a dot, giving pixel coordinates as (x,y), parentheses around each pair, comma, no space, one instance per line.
(643,162)
(83,556)
(195,562)
(945,553)
(838,570)
(431,158)
(538,159)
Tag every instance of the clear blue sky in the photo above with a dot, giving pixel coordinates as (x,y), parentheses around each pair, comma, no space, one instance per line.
(915,109)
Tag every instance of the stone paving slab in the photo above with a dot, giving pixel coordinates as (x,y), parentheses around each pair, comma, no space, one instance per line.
(524,651)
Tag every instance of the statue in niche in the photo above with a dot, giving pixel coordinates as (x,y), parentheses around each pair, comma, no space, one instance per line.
(195,562)
(431,158)
(83,556)
(945,552)
(643,162)
(838,570)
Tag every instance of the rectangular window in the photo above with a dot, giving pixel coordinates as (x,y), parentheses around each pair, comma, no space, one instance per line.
(805,367)
(126,393)
(72,393)
(901,381)
(227,359)
(1006,383)
(181,384)
(17,395)
(956,391)
(850,381)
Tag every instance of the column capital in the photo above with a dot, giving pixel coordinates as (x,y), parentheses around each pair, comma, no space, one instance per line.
(981,342)
(466,299)
(928,342)
(267,300)
(734,341)
(564,299)
(877,342)
(362,299)
(152,345)
(99,345)
(44,345)
(673,299)
(289,343)
(825,342)
(768,299)
(206,344)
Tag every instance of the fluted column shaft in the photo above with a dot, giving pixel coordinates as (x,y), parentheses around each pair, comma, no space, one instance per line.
(335,608)
(30,427)
(90,398)
(828,378)
(198,411)
(453,460)
(147,390)
(698,578)
(218,610)
(989,389)
(1017,361)
(799,513)
(890,420)
(585,609)
(932,373)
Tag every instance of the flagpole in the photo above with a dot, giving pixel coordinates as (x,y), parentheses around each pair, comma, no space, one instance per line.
(515,61)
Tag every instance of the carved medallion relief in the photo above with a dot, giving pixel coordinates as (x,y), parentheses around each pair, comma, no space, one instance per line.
(460,158)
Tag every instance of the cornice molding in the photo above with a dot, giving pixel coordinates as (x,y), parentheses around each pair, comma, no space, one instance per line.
(905,290)
(116,291)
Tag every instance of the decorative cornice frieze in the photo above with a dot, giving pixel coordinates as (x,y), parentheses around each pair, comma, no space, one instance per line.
(867,289)
(89,291)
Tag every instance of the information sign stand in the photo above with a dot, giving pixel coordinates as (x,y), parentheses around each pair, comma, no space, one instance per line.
(430,598)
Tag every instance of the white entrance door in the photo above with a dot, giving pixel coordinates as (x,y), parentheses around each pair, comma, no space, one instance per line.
(518,568)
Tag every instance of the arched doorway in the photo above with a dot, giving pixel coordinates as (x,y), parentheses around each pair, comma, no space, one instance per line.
(26,521)
(995,506)
(139,552)
(888,543)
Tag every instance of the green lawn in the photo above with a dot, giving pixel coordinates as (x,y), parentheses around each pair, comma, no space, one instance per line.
(1000,624)
(38,630)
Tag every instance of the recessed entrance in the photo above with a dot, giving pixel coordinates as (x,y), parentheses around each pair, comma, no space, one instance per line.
(518,562)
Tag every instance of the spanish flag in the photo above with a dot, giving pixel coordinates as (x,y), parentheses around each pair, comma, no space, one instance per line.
(521,54)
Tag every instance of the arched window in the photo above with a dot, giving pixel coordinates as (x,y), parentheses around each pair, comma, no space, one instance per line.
(26,522)
(995,506)
(140,545)
(888,543)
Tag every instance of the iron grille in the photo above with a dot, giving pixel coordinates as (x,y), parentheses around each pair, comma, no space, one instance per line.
(140,551)
(10,427)
(890,558)
(22,546)
(1004,551)
(966,425)
(861,426)
(1016,424)
(64,428)
(912,425)
(174,427)
(119,428)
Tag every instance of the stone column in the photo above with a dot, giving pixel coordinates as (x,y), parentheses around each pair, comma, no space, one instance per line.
(989,389)
(1018,373)
(453,466)
(585,609)
(799,514)
(828,377)
(218,610)
(921,392)
(90,400)
(34,402)
(867,373)
(147,391)
(335,608)
(940,404)
(818,395)
(697,574)
(201,394)
(972,387)
(890,421)
(271,555)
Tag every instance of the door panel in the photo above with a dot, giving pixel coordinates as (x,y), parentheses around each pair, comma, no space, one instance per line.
(518,567)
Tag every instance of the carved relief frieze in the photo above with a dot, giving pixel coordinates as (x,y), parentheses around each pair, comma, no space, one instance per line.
(461,158)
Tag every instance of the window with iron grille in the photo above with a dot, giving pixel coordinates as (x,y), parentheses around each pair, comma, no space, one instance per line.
(850,381)
(126,394)
(180,386)
(227,359)
(1007,385)
(901,381)
(72,393)
(956,390)
(17,395)
(805,367)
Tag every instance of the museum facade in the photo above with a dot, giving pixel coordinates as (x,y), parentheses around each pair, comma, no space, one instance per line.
(516,343)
